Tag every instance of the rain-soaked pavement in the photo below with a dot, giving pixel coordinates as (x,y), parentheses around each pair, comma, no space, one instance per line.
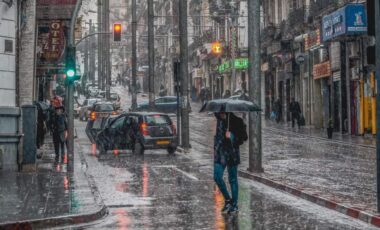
(339,171)
(158,191)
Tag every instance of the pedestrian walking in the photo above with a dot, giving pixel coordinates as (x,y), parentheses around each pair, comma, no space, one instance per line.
(277,108)
(295,111)
(230,134)
(56,101)
(59,128)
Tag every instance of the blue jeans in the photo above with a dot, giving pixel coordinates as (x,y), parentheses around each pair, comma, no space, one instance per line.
(232,178)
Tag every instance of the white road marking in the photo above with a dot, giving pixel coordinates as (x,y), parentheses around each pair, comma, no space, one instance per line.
(189,175)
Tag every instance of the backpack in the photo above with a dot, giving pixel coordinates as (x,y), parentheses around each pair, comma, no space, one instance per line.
(241,132)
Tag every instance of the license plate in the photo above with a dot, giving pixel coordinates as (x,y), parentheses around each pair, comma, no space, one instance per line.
(163,142)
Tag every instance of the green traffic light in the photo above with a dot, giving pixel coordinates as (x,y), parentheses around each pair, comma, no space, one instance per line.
(70,73)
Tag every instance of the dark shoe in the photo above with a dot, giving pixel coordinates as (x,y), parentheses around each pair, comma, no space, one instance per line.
(227,206)
(233,209)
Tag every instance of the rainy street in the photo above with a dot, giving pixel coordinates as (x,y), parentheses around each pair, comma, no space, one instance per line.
(159,191)
(189,114)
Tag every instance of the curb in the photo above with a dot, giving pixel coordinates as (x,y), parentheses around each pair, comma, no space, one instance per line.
(67,219)
(349,211)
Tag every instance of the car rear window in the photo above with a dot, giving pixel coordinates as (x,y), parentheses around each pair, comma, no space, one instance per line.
(104,108)
(158,119)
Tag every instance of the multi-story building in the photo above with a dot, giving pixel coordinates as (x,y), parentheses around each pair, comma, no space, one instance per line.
(327,73)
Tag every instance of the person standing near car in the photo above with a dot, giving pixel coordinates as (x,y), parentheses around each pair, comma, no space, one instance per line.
(295,110)
(230,134)
(59,128)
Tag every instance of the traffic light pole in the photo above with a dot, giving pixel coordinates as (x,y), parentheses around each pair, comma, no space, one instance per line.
(100,55)
(184,74)
(107,49)
(254,73)
(134,56)
(151,52)
(70,97)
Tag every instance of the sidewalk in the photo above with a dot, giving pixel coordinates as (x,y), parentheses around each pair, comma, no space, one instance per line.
(49,197)
(366,140)
(338,174)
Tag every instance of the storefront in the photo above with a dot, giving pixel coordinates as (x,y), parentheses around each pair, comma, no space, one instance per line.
(343,31)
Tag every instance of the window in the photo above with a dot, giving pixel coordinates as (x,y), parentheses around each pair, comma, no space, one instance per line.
(157,120)
(160,100)
(8,46)
(104,108)
(118,123)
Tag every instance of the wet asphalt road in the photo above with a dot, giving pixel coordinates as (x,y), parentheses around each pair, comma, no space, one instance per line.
(158,191)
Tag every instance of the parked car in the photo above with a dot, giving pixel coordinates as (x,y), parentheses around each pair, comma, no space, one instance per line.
(167,104)
(98,111)
(138,131)
(84,112)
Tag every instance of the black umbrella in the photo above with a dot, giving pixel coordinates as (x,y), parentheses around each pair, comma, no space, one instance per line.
(229,105)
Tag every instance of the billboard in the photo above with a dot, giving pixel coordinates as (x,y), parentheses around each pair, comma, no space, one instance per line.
(349,20)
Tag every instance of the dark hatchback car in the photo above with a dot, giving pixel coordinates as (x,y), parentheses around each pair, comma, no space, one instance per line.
(98,112)
(138,131)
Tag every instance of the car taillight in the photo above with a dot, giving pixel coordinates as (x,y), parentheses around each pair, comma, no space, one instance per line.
(93,116)
(144,129)
(174,129)
(114,113)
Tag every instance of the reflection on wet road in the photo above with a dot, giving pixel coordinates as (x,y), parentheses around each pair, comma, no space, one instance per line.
(159,191)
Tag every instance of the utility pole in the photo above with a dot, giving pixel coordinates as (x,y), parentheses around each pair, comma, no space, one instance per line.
(100,48)
(86,49)
(104,45)
(134,55)
(151,52)
(377,27)
(184,74)
(92,56)
(107,48)
(70,97)
(254,73)
(233,37)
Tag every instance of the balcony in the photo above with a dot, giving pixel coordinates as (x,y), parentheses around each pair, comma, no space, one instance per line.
(322,7)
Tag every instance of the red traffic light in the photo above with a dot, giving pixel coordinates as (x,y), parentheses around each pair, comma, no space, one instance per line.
(117,32)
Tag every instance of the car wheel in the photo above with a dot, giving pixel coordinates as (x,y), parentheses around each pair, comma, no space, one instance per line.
(171,149)
(139,148)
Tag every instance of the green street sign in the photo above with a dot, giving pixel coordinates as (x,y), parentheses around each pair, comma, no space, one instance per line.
(240,63)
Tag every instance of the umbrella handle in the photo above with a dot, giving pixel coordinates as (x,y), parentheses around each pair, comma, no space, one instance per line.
(228,122)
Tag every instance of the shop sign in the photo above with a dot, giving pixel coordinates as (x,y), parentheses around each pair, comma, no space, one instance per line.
(312,39)
(348,20)
(51,42)
(240,64)
(198,72)
(322,70)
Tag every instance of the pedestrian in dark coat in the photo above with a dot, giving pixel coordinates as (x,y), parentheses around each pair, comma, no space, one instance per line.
(295,110)
(59,128)
(227,155)
(277,108)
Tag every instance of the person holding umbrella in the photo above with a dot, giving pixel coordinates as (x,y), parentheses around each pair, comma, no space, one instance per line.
(231,132)
(227,155)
